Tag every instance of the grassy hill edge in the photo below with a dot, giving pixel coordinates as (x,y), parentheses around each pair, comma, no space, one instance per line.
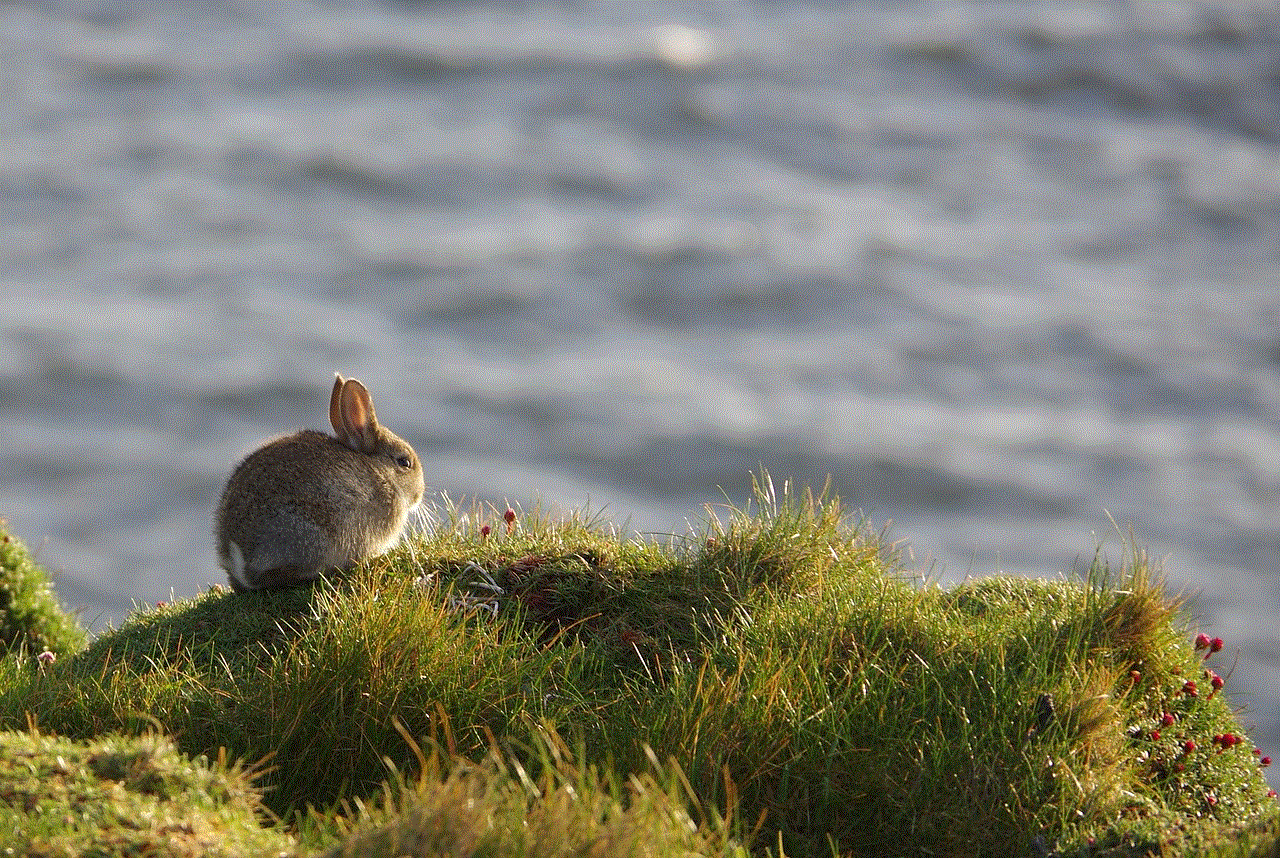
(521,686)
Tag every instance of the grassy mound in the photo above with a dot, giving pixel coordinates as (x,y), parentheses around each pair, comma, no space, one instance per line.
(125,796)
(30,617)
(774,683)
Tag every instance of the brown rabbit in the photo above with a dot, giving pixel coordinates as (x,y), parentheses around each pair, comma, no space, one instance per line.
(308,503)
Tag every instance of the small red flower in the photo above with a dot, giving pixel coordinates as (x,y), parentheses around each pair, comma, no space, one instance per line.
(1188,747)
(1227,740)
(1265,761)
(1211,800)
(1215,681)
(1189,688)
(1271,793)
(510,518)
(485,531)
(1166,720)
(1215,645)
(1135,676)
(1155,735)
(1202,641)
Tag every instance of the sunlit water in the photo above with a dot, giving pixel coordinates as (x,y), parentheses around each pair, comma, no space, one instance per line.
(1006,272)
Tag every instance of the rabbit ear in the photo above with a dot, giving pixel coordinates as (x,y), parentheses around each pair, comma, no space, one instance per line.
(335,407)
(359,429)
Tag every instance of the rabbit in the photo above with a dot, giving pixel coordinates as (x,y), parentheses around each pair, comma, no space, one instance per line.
(309,503)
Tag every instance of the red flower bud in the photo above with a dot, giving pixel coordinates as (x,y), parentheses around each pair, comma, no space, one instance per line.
(1265,761)
(1166,720)
(1215,645)
(1189,688)
(1188,746)
(1202,641)
(1155,735)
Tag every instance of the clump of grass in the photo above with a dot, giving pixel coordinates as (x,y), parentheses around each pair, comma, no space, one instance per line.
(568,807)
(122,795)
(789,675)
(31,619)
(784,542)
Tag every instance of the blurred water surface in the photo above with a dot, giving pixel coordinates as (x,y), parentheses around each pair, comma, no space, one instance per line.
(1005,271)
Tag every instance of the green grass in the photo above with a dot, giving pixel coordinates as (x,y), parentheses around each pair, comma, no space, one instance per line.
(773,683)
(125,796)
(570,807)
(31,620)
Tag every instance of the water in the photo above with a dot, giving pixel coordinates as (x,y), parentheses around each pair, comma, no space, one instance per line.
(1006,272)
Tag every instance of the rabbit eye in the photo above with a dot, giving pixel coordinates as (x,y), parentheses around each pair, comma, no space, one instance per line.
(404,461)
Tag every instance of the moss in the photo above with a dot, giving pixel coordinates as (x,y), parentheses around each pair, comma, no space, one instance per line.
(125,796)
(31,619)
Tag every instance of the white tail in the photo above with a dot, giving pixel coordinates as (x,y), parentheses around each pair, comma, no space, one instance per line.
(235,565)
